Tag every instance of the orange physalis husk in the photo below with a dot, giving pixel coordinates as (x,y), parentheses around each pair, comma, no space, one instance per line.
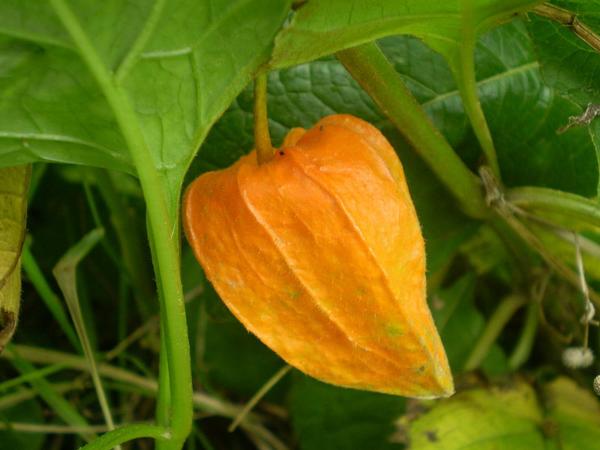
(319,253)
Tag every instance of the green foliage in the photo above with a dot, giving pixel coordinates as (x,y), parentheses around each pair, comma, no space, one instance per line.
(325,417)
(511,415)
(569,64)
(29,412)
(322,28)
(189,63)
(138,88)
(14,182)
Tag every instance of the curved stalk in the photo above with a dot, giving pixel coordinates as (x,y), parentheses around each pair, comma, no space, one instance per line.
(562,203)
(464,74)
(161,225)
(369,66)
(125,434)
(262,137)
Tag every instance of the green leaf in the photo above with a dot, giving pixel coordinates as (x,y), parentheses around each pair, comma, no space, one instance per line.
(568,63)
(325,27)
(181,63)
(511,415)
(576,412)
(14,182)
(482,419)
(522,112)
(329,417)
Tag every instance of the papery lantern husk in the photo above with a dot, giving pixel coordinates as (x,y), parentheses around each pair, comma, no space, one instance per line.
(319,253)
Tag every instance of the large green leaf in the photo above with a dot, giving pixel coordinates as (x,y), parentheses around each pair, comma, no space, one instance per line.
(14,182)
(321,28)
(523,113)
(568,63)
(482,419)
(329,417)
(180,65)
(577,413)
(511,415)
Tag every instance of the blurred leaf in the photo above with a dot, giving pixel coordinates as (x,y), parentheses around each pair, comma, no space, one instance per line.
(460,324)
(28,412)
(194,59)
(322,28)
(511,416)
(576,412)
(329,417)
(14,182)
(483,419)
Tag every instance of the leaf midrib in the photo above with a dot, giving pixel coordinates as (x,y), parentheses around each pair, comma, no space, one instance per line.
(506,74)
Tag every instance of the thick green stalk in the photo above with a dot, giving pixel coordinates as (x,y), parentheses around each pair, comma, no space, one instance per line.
(166,243)
(369,66)
(493,328)
(163,401)
(555,202)
(464,74)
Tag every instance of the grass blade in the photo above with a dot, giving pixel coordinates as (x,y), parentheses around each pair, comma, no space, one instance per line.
(65,273)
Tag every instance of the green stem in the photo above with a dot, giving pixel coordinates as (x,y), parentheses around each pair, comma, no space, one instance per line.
(162,224)
(163,402)
(522,350)
(561,203)
(571,20)
(146,386)
(369,66)
(39,373)
(552,260)
(262,137)
(464,74)
(494,326)
(127,433)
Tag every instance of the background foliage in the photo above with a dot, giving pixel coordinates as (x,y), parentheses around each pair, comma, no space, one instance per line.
(185,68)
